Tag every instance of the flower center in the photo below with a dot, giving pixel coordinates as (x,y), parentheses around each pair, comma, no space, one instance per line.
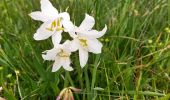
(64,54)
(56,25)
(83,42)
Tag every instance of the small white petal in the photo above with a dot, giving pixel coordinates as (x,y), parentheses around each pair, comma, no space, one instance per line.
(94,46)
(101,33)
(50,54)
(56,38)
(83,57)
(66,64)
(94,33)
(73,35)
(48,9)
(87,23)
(66,43)
(37,15)
(74,45)
(68,26)
(57,65)
(73,31)
(64,16)
(66,46)
(43,33)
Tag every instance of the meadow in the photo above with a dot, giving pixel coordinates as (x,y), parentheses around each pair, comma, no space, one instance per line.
(134,63)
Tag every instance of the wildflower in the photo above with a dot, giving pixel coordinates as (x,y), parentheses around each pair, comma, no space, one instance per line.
(67,94)
(85,39)
(61,55)
(54,23)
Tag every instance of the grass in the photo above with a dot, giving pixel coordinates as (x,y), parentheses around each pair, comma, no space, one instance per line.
(134,63)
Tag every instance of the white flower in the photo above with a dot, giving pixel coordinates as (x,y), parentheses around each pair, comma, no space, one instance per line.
(53,22)
(85,39)
(61,55)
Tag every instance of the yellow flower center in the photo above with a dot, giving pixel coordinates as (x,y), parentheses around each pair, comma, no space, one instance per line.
(83,42)
(63,54)
(55,25)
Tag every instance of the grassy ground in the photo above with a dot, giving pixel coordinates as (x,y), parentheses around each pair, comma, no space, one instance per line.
(134,64)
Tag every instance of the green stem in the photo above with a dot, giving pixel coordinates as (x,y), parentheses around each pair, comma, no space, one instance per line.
(87,82)
(95,71)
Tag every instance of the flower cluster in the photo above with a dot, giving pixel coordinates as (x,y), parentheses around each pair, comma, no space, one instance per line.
(84,38)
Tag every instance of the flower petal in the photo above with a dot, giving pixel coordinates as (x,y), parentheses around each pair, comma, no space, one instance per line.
(94,46)
(94,33)
(43,33)
(74,45)
(66,64)
(68,26)
(83,57)
(64,16)
(72,31)
(50,54)
(56,38)
(57,65)
(37,15)
(48,9)
(87,23)
(66,46)
(73,35)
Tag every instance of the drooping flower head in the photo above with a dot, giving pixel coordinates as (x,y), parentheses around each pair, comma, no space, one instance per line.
(54,23)
(67,93)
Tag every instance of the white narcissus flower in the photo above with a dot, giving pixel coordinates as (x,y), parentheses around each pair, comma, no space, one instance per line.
(61,55)
(85,39)
(54,23)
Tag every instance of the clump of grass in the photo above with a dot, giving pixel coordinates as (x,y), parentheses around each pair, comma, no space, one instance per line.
(134,63)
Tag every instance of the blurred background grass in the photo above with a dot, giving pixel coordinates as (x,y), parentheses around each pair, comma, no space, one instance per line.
(134,64)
